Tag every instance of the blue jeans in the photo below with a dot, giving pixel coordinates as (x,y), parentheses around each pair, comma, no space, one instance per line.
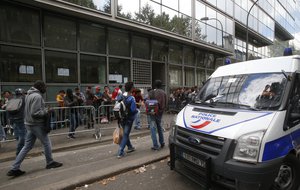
(137,120)
(20,133)
(125,140)
(2,132)
(74,123)
(34,132)
(155,127)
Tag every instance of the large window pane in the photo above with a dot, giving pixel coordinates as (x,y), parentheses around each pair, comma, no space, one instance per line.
(118,43)
(189,76)
(175,53)
(171,3)
(92,38)
(60,33)
(101,5)
(61,67)
(159,50)
(201,77)
(175,75)
(20,64)
(119,70)
(128,10)
(189,57)
(185,7)
(92,69)
(19,25)
(140,47)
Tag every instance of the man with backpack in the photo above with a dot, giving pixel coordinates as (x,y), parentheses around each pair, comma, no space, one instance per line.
(155,108)
(15,109)
(127,120)
(35,121)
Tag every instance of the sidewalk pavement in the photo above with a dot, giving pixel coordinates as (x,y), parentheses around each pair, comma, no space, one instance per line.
(85,160)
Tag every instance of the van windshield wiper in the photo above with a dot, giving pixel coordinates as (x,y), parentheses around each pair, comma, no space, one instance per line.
(238,105)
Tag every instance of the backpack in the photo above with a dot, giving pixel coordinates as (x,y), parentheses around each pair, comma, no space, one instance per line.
(14,105)
(121,110)
(152,107)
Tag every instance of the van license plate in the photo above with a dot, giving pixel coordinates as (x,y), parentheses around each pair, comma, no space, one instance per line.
(194,160)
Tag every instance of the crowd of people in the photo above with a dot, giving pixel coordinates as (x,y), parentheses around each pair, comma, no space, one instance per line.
(180,97)
(31,121)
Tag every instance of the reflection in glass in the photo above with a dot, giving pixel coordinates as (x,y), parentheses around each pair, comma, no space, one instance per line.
(92,38)
(189,57)
(201,78)
(175,53)
(128,10)
(118,42)
(20,64)
(19,25)
(60,33)
(175,75)
(119,68)
(61,67)
(92,69)
(185,7)
(101,5)
(159,50)
(263,91)
(173,4)
(140,47)
(189,75)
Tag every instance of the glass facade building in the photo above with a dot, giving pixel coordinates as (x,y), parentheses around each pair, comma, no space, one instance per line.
(70,43)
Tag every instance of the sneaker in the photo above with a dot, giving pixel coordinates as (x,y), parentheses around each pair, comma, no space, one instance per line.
(131,149)
(162,145)
(15,173)
(155,148)
(121,155)
(137,128)
(54,165)
(71,137)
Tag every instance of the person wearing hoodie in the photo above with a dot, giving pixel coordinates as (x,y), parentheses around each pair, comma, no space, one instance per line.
(35,121)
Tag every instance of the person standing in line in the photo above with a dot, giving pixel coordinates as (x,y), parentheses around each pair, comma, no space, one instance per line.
(117,92)
(35,118)
(90,99)
(17,121)
(61,113)
(155,120)
(139,101)
(128,121)
(71,101)
(107,101)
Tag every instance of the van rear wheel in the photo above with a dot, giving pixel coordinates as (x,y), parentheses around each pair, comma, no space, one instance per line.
(288,174)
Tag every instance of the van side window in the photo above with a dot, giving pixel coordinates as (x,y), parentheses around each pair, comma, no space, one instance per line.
(294,116)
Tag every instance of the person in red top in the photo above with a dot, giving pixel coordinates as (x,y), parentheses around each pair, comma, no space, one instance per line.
(139,101)
(117,91)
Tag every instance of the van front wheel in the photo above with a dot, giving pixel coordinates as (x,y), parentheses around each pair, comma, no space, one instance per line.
(288,174)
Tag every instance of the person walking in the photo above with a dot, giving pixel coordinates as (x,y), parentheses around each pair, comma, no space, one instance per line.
(16,119)
(128,121)
(35,119)
(155,119)
(70,101)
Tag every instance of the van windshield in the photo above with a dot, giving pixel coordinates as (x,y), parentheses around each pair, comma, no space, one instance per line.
(263,91)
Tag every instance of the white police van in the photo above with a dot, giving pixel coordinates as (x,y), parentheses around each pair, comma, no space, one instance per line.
(242,130)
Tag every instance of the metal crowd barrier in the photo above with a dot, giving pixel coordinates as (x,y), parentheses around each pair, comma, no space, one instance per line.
(84,118)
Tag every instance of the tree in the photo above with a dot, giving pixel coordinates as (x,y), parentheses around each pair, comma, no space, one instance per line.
(84,3)
(146,15)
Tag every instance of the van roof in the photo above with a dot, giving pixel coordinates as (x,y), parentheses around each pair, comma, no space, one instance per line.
(269,65)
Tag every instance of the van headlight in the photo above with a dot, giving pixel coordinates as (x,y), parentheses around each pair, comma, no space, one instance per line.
(248,146)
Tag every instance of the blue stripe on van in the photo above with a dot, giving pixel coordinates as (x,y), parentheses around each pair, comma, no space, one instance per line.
(281,147)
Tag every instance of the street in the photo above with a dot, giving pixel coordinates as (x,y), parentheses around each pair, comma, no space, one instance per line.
(153,176)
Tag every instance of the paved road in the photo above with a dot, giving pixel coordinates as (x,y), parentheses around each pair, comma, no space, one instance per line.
(153,176)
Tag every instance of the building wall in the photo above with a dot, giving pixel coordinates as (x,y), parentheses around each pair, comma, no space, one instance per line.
(70,43)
